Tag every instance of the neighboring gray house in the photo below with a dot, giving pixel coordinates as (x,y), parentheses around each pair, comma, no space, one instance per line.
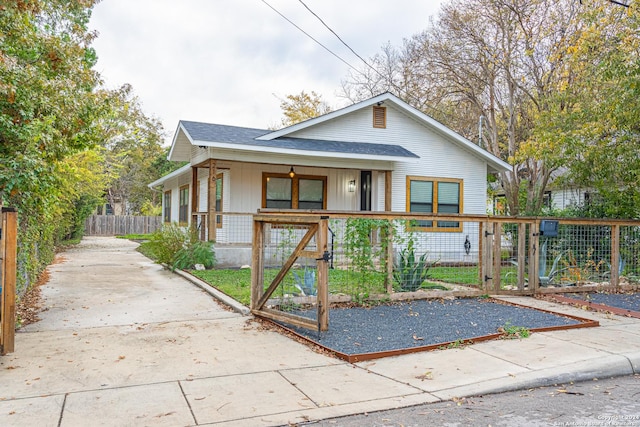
(377,155)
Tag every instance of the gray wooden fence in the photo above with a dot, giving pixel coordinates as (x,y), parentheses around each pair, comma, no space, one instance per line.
(112,225)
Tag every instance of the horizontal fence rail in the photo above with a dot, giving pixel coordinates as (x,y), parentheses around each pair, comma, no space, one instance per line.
(114,225)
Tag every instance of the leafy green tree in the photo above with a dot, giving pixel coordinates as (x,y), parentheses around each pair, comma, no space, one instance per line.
(489,61)
(46,88)
(133,143)
(595,119)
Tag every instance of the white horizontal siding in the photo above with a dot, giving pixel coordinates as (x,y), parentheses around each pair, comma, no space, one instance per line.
(439,157)
(562,199)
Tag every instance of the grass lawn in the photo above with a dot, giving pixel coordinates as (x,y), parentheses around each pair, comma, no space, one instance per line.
(237,283)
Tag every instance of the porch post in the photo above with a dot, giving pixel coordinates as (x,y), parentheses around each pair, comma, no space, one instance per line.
(387,191)
(211,201)
(194,196)
(389,234)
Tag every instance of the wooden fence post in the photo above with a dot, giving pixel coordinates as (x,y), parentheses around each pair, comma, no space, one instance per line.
(257,263)
(615,255)
(534,256)
(497,256)
(323,275)
(8,262)
(488,272)
(522,255)
(481,255)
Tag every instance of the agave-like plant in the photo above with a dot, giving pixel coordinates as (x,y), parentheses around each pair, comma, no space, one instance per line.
(410,273)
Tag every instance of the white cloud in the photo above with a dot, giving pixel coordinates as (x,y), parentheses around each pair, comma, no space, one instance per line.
(222,61)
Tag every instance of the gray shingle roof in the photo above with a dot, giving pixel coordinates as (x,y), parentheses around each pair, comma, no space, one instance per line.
(206,132)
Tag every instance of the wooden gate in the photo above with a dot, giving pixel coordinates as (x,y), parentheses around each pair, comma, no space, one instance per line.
(526,261)
(315,227)
(8,262)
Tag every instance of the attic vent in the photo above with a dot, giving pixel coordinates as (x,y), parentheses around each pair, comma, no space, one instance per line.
(379,117)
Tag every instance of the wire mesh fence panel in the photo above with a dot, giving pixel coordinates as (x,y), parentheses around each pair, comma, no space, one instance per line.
(580,255)
(298,288)
(375,257)
(388,257)
(514,256)
(629,262)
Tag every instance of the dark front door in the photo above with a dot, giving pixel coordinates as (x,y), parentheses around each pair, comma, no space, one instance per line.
(365,190)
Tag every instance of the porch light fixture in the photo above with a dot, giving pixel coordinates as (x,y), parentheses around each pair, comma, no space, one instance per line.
(292,173)
(352,186)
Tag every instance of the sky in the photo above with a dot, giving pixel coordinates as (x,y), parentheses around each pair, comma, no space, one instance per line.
(232,61)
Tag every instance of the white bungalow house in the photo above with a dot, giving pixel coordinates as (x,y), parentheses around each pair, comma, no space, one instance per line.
(377,155)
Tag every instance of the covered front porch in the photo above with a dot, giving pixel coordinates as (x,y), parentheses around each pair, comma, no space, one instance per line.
(221,209)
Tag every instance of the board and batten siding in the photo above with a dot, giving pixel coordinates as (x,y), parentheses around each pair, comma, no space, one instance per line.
(245,180)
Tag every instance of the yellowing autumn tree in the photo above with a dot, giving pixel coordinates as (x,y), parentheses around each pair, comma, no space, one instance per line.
(301,107)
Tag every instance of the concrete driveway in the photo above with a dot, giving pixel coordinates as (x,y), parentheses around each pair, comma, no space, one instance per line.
(123,342)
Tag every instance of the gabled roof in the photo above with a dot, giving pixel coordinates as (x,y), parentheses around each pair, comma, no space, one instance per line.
(282,142)
(212,133)
(494,162)
(240,138)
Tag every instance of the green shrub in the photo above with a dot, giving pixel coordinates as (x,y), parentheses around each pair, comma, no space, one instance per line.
(179,247)
(195,253)
(166,242)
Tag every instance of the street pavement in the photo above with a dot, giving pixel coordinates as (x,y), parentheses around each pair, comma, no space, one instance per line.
(124,342)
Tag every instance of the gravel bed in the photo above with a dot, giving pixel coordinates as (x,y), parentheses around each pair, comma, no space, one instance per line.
(423,322)
(623,301)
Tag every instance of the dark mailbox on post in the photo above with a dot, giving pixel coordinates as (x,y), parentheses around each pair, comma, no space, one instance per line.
(549,228)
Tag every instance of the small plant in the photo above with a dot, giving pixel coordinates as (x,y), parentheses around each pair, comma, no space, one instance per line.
(410,273)
(459,343)
(510,331)
(307,283)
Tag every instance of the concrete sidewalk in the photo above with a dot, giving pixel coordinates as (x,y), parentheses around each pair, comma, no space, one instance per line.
(125,343)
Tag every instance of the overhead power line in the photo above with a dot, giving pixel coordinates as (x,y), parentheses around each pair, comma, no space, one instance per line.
(310,36)
(337,36)
(390,83)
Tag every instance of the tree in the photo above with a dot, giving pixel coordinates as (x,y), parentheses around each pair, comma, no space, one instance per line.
(595,117)
(133,143)
(301,107)
(490,60)
(48,108)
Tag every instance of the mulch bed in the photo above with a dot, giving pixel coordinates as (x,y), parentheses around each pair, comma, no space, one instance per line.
(622,304)
(627,301)
(361,333)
